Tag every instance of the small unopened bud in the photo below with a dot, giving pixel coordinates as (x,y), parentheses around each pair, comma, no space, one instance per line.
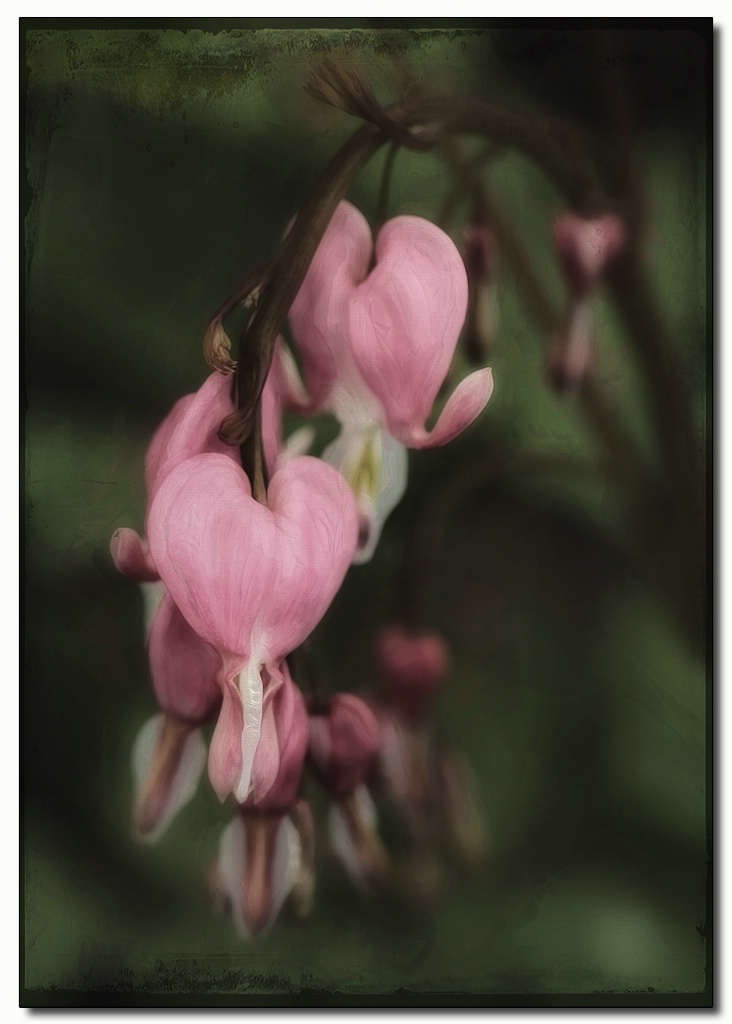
(344,743)
(586,247)
(217,348)
(413,665)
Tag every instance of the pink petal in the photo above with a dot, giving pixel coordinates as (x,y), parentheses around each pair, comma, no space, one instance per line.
(463,406)
(252,580)
(317,314)
(131,556)
(190,429)
(183,667)
(280,755)
(403,321)
(225,752)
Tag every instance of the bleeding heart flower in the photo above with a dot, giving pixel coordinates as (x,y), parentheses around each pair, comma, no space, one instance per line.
(169,754)
(267,851)
(251,580)
(344,742)
(586,246)
(377,327)
(344,745)
(431,786)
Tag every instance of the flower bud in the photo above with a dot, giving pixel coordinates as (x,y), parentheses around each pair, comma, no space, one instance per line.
(344,742)
(413,666)
(586,247)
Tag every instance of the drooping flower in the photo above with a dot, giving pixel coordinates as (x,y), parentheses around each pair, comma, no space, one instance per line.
(377,327)
(585,248)
(429,784)
(169,753)
(344,744)
(266,852)
(251,580)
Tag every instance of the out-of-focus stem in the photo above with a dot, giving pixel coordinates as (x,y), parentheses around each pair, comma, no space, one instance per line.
(382,205)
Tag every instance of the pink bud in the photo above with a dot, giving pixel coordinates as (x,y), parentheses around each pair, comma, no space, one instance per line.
(344,742)
(586,247)
(132,557)
(414,665)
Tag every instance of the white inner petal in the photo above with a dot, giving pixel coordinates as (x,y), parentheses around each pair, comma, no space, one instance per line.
(232,870)
(286,867)
(249,682)
(375,466)
(341,839)
(187,773)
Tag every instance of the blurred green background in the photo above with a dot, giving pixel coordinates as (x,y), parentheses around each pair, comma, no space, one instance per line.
(163,165)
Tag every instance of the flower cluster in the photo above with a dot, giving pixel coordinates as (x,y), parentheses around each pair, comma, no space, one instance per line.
(236,584)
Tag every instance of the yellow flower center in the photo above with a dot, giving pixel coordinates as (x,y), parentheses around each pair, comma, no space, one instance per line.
(364,477)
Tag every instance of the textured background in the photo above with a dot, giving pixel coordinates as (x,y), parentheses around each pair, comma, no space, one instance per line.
(162,166)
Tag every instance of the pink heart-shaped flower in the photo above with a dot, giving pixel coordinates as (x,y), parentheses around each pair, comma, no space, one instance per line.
(377,341)
(252,580)
(405,317)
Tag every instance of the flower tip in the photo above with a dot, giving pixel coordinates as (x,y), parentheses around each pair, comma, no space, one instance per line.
(131,556)
(463,406)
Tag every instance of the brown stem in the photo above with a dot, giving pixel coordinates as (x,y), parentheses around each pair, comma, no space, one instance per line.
(252,459)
